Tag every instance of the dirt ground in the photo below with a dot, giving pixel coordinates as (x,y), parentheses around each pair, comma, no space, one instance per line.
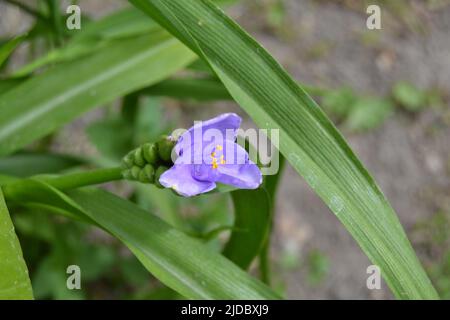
(326,43)
(407,155)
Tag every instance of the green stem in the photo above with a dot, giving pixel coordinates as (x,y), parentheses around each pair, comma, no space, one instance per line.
(82,179)
(270,184)
(67,181)
(264,265)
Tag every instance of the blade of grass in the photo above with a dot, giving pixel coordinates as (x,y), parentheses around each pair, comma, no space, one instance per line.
(308,139)
(8,48)
(14,280)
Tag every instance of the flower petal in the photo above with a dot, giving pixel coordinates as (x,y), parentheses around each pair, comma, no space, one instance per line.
(206,162)
(180,179)
(204,172)
(243,176)
(225,124)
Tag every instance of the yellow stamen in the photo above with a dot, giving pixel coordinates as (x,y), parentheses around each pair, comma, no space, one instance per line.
(214,164)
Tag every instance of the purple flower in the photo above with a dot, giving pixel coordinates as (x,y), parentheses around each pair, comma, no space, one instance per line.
(208,154)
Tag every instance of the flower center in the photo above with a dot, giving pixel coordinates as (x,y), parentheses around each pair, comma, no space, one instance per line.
(215,159)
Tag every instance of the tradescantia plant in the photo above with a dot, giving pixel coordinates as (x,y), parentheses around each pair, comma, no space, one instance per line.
(199,165)
(161,38)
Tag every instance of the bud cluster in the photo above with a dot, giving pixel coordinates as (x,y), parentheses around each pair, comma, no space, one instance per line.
(146,163)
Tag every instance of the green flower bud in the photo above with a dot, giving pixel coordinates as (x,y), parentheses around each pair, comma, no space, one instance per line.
(139,158)
(126,174)
(135,170)
(158,173)
(150,152)
(128,160)
(165,146)
(143,177)
(149,172)
(143,164)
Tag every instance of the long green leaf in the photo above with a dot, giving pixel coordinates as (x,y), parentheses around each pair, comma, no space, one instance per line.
(308,139)
(14,280)
(125,23)
(182,263)
(252,220)
(8,48)
(179,261)
(201,89)
(9,83)
(32,192)
(46,102)
(197,89)
(29,164)
(94,36)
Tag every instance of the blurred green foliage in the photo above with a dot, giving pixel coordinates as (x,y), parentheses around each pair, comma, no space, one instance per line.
(433,236)
(359,112)
(313,263)
(52,244)
(318,267)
